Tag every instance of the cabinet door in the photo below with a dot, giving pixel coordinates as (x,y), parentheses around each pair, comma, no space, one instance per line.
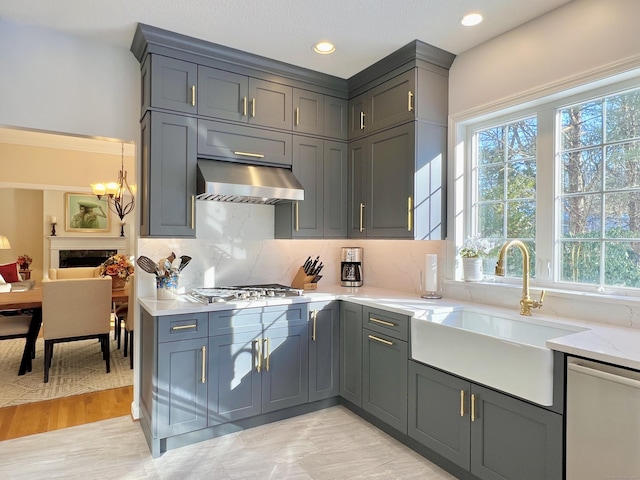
(235,366)
(390,169)
(393,102)
(308,156)
(514,439)
(336,118)
(173,84)
(357,189)
(242,142)
(439,412)
(351,352)
(324,346)
(270,104)
(182,387)
(168,175)
(285,378)
(335,189)
(358,116)
(223,94)
(308,112)
(384,378)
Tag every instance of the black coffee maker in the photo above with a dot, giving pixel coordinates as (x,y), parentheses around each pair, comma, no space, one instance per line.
(351,267)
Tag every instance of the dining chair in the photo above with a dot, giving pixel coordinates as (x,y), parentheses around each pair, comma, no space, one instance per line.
(76,309)
(16,324)
(73,272)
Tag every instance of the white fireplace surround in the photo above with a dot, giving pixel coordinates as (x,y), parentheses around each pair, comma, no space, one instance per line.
(83,243)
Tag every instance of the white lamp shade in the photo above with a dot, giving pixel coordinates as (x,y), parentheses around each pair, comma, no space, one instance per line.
(4,243)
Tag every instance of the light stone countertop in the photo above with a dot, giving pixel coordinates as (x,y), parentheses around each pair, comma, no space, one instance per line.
(616,345)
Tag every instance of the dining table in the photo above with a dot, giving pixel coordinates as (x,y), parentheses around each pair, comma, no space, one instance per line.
(32,300)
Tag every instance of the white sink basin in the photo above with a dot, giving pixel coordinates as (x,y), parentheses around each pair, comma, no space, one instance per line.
(503,351)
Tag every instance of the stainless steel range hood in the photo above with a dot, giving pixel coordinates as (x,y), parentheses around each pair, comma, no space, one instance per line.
(237,182)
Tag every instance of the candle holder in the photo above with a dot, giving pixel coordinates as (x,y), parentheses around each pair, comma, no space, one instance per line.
(122,229)
(53,229)
(432,295)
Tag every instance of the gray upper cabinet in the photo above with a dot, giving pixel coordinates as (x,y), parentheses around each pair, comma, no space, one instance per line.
(321,167)
(324,350)
(358,110)
(490,434)
(308,112)
(171,85)
(335,118)
(168,175)
(270,104)
(392,102)
(222,94)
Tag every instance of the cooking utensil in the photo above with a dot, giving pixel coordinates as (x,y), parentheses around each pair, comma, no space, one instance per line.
(316,279)
(313,265)
(146,264)
(175,265)
(185,259)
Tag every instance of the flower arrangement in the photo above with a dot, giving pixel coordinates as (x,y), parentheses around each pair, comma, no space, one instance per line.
(24,260)
(117,265)
(475,247)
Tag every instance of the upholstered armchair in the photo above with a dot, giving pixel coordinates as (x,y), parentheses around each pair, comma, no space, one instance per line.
(73,272)
(75,309)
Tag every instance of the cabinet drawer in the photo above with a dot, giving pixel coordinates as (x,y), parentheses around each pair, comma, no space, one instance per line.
(286,315)
(182,327)
(388,323)
(239,142)
(228,322)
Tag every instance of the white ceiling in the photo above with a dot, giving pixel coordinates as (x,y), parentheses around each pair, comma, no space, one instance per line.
(364,31)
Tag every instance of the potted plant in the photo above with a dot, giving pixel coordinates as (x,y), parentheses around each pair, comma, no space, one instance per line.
(119,268)
(472,251)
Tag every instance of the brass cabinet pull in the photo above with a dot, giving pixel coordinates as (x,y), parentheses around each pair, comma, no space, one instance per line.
(193,95)
(383,322)
(204,365)
(253,107)
(410,101)
(193,212)
(249,154)
(362,217)
(258,351)
(185,327)
(297,216)
(268,352)
(409,213)
(244,106)
(473,407)
(462,403)
(314,315)
(361,120)
(381,340)
(297,116)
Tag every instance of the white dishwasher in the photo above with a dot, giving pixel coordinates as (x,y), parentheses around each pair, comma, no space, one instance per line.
(603,421)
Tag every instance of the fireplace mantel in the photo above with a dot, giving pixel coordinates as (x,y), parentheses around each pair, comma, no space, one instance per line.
(58,243)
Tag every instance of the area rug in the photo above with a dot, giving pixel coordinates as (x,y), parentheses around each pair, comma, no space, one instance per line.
(77,367)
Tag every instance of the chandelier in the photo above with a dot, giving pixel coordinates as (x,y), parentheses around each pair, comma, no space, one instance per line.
(116,191)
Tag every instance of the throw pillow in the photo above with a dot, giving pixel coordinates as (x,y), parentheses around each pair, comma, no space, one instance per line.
(9,272)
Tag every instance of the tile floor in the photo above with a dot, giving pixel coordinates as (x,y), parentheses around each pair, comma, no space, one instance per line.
(329,444)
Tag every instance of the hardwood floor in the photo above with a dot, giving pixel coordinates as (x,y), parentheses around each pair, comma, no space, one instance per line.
(22,420)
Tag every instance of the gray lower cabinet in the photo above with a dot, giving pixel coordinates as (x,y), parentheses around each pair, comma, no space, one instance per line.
(351,352)
(490,434)
(321,167)
(258,361)
(324,350)
(168,175)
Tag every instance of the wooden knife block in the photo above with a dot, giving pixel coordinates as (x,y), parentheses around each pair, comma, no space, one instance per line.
(303,281)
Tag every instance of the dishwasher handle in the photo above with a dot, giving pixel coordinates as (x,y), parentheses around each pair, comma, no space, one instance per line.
(611,377)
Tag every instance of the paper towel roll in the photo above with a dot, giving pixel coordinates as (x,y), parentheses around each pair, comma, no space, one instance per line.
(431,272)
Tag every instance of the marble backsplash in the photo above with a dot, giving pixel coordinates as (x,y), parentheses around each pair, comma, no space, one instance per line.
(235,246)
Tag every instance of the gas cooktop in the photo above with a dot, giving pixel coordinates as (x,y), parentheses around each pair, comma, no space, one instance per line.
(243,292)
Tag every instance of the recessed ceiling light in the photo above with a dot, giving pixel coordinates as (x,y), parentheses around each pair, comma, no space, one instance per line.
(471,19)
(324,48)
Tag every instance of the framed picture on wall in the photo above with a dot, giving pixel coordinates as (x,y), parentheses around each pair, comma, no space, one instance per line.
(85,213)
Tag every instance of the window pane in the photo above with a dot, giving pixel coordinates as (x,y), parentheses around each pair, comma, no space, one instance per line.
(622,216)
(491,182)
(522,138)
(490,146)
(623,116)
(491,220)
(623,166)
(581,216)
(622,264)
(580,262)
(521,181)
(581,125)
(582,171)
(521,219)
